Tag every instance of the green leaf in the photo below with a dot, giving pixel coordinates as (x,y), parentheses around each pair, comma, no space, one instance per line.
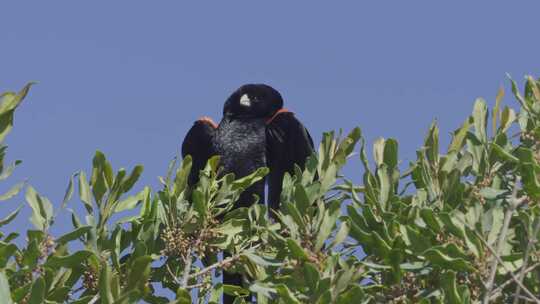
(378,151)
(445,262)
(182,174)
(342,234)
(431,220)
(493,221)
(234,290)
(301,198)
(450,290)
(73,235)
(42,210)
(105,293)
(10,217)
(132,178)
(6,172)
(261,261)
(385,186)
(311,276)
(518,96)
(182,296)
(480,119)
(139,272)
(498,99)
(69,191)
(391,153)
(132,201)
(84,192)
(507,118)
(6,251)
(352,295)
(491,193)
(12,192)
(286,295)
(244,182)
(328,223)
(295,214)
(431,143)
(199,203)
(97,179)
(262,290)
(10,102)
(5,294)
(69,261)
(37,293)
(503,154)
(296,251)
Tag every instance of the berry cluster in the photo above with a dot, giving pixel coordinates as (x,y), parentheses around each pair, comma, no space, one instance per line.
(90,279)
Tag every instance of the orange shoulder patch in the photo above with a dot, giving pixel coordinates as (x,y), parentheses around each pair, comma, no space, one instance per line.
(209,121)
(282,110)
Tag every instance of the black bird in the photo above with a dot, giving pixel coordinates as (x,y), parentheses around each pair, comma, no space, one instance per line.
(256,131)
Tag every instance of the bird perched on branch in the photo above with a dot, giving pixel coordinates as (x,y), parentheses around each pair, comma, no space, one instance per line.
(255,131)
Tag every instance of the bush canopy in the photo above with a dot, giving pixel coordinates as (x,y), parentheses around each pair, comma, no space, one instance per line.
(459,225)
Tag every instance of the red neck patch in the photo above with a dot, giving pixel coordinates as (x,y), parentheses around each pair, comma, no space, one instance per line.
(282,110)
(209,121)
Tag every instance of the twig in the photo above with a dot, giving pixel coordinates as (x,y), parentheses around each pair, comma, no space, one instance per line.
(524,298)
(199,285)
(214,266)
(94,299)
(502,236)
(525,289)
(530,245)
(219,264)
(495,293)
(187,268)
(172,274)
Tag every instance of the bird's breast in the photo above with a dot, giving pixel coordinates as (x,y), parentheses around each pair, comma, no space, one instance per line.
(241,145)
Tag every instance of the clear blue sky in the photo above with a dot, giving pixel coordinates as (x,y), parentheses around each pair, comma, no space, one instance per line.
(130,77)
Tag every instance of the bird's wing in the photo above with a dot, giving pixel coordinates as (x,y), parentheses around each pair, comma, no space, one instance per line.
(287,143)
(198,144)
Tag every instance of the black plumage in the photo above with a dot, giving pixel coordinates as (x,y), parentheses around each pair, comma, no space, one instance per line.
(256,131)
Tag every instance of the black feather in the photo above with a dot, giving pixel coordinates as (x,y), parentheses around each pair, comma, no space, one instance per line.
(255,132)
(288,143)
(198,144)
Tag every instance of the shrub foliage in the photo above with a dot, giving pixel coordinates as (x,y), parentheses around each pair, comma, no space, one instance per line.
(455,226)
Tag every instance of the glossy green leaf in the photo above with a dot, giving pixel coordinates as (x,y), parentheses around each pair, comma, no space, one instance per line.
(390,153)
(42,210)
(10,217)
(73,235)
(10,101)
(139,272)
(12,191)
(450,290)
(5,293)
(84,192)
(296,251)
(105,293)
(37,293)
(234,290)
(70,261)
(132,178)
(445,262)
(69,191)
(182,296)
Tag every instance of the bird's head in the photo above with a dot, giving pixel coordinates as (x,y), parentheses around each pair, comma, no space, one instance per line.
(253,101)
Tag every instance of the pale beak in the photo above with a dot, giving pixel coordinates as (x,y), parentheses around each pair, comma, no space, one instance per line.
(245,101)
